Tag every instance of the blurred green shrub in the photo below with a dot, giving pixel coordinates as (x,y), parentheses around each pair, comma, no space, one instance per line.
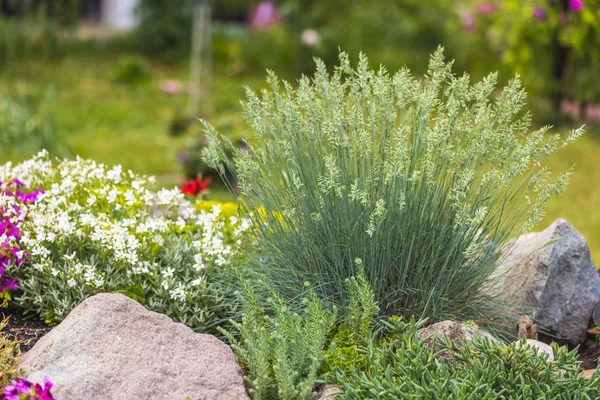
(27,125)
(132,71)
(37,29)
(553,44)
(426,181)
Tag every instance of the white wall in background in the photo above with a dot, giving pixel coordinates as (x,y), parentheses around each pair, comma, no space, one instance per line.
(119,14)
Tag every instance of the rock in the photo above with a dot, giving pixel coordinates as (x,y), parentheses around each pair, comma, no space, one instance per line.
(526,328)
(541,347)
(550,276)
(111,347)
(596,315)
(588,373)
(328,392)
(454,331)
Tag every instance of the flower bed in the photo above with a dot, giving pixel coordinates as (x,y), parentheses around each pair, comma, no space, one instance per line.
(95,229)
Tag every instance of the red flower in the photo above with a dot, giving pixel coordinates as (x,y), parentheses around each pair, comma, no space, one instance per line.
(194,187)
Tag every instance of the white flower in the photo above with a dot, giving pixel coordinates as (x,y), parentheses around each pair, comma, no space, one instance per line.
(178,293)
(112,196)
(130,198)
(197,282)
(165,285)
(71,282)
(168,273)
(115,174)
(310,37)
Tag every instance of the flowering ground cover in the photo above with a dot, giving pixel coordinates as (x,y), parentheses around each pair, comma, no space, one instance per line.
(96,229)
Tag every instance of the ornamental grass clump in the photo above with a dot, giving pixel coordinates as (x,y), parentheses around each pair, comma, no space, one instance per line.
(425,180)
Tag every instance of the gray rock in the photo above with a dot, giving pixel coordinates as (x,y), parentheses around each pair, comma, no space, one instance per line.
(111,347)
(329,392)
(551,277)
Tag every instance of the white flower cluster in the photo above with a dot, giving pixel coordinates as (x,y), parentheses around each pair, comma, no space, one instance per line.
(212,248)
(102,229)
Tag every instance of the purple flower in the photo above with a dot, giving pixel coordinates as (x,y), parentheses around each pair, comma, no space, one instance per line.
(539,13)
(576,5)
(486,8)
(264,15)
(19,386)
(33,392)
(16,182)
(182,157)
(9,284)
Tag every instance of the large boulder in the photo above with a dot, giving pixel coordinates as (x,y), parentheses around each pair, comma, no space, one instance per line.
(111,347)
(551,277)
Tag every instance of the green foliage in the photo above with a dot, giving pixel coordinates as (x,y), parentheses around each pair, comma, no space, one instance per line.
(37,29)
(9,355)
(398,33)
(553,46)
(281,351)
(425,181)
(165,26)
(358,322)
(404,367)
(27,124)
(132,71)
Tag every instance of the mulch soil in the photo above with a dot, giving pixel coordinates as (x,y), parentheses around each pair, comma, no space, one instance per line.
(26,331)
(589,358)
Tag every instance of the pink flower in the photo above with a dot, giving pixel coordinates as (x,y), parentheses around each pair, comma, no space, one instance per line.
(468,21)
(171,87)
(310,37)
(486,8)
(564,18)
(576,5)
(539,13)
(264,15)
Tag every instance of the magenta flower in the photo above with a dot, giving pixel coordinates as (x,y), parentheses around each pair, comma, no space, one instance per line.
(486,8)
(11,218)
(576,5)
(539,13)
(22,386)
(264,15)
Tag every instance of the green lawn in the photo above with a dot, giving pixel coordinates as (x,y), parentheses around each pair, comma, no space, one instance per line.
(115,124)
